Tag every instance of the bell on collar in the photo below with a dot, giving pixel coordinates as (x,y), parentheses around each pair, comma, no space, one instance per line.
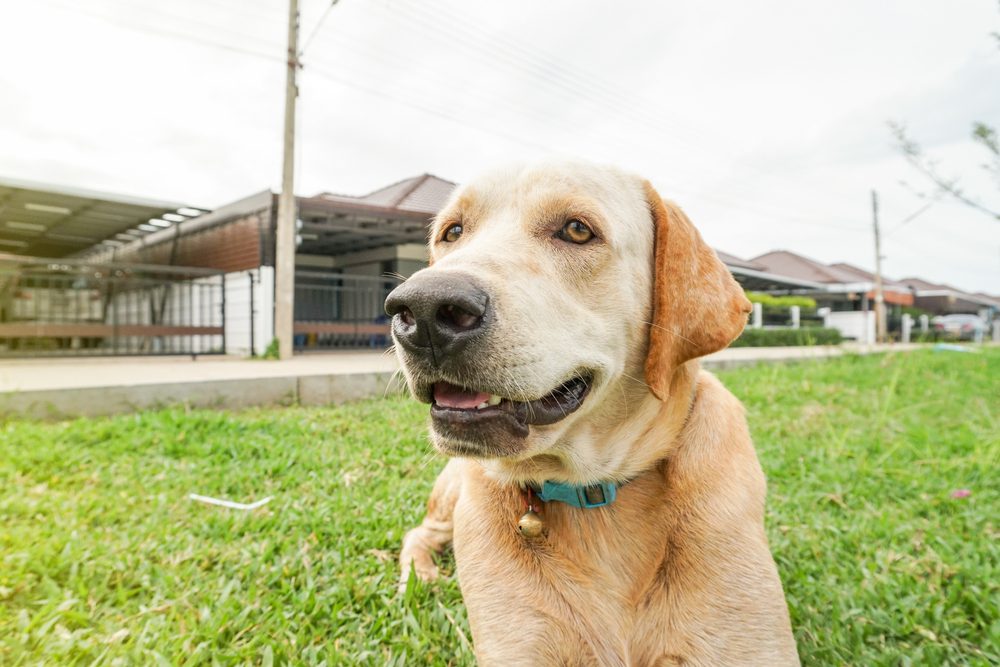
(530,524)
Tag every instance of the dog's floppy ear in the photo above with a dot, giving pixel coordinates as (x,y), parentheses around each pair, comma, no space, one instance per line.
(698,308)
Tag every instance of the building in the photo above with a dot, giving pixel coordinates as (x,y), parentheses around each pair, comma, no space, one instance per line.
(946,300)
(846,293)
(350,253)
(93,273)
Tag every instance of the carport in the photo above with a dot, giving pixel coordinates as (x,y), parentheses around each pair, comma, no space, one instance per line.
(54,302)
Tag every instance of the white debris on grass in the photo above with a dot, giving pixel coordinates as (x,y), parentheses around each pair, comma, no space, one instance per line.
(229,503)
(949,347)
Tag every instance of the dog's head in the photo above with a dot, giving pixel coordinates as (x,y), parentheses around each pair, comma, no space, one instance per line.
(558,297)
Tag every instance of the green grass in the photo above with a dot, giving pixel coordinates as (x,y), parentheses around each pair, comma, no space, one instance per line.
(104,560)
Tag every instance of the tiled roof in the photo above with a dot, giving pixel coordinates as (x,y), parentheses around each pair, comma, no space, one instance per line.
(921,284)
(867,276)
(785,263)
(421,194)
(733,260)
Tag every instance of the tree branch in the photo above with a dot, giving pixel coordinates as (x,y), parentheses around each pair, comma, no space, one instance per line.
(915,156)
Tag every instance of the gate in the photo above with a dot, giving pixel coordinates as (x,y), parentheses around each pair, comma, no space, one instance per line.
(64,307)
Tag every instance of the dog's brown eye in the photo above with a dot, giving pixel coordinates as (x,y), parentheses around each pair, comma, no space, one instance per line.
(575,231)
(452,233)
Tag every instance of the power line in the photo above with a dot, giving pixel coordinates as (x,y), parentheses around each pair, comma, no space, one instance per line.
(549,68)
(245,9)
(326,74)
(404,101)
(212,27)
(173,34)
(315,31)
(494,103)
(329,75)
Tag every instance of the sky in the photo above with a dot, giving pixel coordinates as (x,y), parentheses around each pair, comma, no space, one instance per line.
(766,121)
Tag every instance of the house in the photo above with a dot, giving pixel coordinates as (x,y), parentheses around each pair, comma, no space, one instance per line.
(755,277)
(106,274)
(52,302)
(846,292)
(939,299)
(348,251)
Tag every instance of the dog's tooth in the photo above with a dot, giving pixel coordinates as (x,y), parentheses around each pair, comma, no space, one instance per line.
(482,405)
(494,400)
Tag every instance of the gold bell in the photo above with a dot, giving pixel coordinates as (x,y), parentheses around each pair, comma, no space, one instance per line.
(530,524)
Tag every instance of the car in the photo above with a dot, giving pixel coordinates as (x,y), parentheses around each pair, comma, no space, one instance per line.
(965,327)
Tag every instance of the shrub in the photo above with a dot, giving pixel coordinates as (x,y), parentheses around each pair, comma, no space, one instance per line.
(787,336)
(781,301)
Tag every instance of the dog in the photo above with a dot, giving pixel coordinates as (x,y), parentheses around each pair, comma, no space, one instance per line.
(603,497)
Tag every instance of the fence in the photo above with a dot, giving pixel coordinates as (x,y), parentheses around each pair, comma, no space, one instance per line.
(65,307)
(784,316)
(339,310)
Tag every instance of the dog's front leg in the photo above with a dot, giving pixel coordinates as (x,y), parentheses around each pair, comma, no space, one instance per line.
(434,533)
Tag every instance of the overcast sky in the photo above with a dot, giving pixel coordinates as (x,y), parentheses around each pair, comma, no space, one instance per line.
(765,120)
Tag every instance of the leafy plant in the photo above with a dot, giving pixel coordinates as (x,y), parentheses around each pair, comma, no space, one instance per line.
(779,337)
(271,351)
(781,301)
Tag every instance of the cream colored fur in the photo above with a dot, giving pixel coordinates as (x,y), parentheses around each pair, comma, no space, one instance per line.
(678,570)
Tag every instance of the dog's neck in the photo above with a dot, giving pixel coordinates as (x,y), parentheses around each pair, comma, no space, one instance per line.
(593,453)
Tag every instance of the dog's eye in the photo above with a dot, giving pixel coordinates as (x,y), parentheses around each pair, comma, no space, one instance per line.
(452,233)
(575,231)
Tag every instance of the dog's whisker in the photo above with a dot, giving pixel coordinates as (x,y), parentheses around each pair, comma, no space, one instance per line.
(624,399)
(395,377)
(487,320)
(669,331)
(635,379)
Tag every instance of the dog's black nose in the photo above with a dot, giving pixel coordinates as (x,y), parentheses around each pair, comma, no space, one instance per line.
(438,313)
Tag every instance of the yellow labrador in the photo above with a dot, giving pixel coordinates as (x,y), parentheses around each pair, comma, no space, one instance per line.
(604,498)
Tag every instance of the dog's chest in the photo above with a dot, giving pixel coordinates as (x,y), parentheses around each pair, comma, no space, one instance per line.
(577,595)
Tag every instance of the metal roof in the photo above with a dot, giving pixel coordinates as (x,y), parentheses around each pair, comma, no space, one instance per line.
(55,221)
(336,228)
(335,224)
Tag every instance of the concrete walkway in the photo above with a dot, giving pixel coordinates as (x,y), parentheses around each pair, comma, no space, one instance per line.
(59,388)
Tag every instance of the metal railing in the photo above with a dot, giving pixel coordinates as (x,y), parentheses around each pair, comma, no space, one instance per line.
(341,310)
(781,316)
(64,307)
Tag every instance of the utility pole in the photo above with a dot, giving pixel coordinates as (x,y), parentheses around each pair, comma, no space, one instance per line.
(880,323)
(284,252)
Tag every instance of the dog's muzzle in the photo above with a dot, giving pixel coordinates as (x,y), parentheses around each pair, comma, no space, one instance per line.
(438,314)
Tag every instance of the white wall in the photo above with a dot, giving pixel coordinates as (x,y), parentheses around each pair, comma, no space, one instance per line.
(239,286)
(855,324)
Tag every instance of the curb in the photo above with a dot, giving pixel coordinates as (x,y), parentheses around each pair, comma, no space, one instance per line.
(56,404)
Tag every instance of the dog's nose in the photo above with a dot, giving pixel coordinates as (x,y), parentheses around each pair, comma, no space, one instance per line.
(438,313)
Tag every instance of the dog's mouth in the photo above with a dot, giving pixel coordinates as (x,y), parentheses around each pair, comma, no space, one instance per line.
(455,405)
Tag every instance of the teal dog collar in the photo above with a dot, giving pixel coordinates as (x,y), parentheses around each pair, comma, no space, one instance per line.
(586,497)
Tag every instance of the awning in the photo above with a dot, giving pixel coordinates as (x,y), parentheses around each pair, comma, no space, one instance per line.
(40,220)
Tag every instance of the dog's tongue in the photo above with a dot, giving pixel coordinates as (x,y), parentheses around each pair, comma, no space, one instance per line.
(449,396)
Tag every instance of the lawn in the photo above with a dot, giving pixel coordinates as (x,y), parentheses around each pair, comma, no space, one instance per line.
(104,559)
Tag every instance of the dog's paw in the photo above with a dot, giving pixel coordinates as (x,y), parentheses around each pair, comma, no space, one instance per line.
(417,557)
(423,568)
